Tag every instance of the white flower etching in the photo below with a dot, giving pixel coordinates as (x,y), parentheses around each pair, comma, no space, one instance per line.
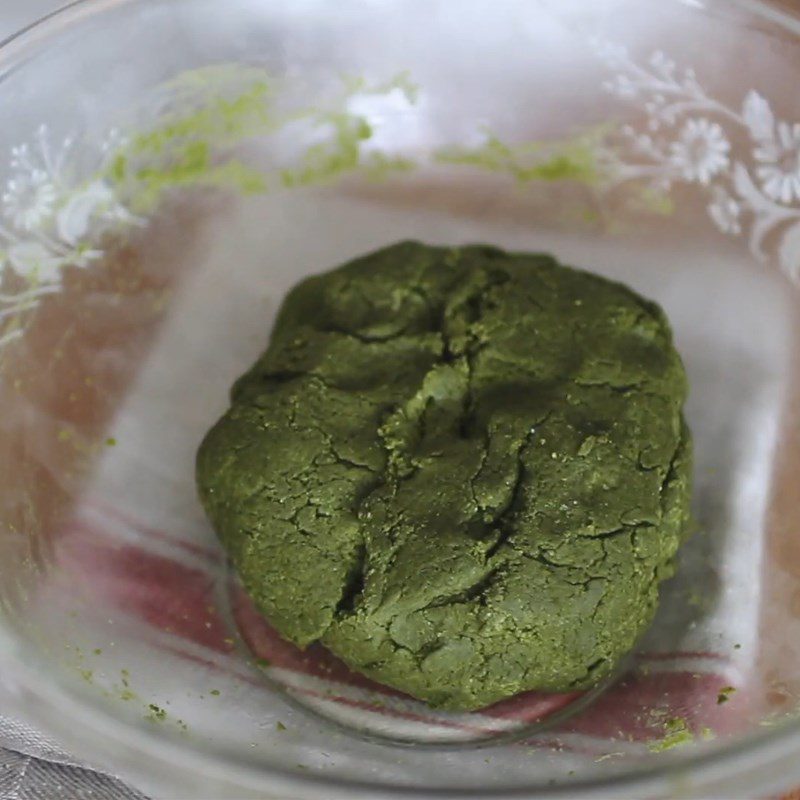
(36,261)
(779,157)
(701,150)
(687,137)
(757,117)
(50,223)
(725,211)
(29,199)
(62,216)
(94,202)
(59,200)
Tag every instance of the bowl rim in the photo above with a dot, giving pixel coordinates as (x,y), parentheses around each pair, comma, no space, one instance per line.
(766,760)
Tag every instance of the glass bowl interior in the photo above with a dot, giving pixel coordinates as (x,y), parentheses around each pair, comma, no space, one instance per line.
(170,172)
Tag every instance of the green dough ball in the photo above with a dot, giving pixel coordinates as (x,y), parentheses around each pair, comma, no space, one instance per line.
(464,471)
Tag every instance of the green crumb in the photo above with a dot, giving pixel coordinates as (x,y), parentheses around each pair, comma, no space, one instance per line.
(87,675)
(737,647)
(127,694)
(279,726)
(97,651)
(156,714)
(464,471)
(263,663)
(725,694)
(678,735)
(215,692)
(182,725)
(706,734)
(111,441)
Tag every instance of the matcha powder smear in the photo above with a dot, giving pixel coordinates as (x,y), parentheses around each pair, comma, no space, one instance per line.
(463,471)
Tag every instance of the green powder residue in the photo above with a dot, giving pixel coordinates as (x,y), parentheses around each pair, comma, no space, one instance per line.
(124,691)
(193,165)
(195,148)
(341,152)
(327,160)
(157,714)
(184,148)
(573,159)
(222,120)
(214,692)
(678,734)
(587,157)
(725,694)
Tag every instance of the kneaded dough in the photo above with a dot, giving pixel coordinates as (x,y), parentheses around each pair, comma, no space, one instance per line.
(464,471)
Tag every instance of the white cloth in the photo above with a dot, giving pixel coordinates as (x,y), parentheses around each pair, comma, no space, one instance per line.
(34,767)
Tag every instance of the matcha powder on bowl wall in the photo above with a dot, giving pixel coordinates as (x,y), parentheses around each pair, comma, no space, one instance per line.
(463,471)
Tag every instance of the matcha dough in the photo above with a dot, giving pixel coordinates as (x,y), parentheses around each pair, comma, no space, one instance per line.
(463,471)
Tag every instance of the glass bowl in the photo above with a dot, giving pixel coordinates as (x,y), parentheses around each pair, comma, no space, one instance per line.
(169,171)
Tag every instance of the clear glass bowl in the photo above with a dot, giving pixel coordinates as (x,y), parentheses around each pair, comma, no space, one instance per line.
(170,169)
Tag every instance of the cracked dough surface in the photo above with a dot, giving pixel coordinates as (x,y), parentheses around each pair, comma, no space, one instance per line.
(464,471)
